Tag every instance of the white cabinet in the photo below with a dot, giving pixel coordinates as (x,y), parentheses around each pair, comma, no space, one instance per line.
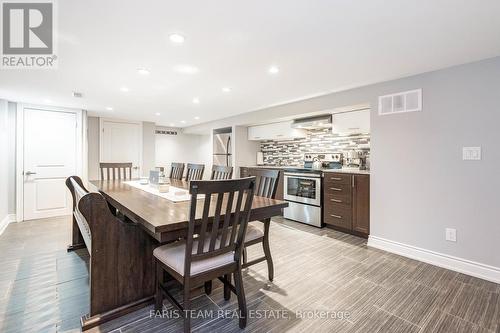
(275,131)
(353,122)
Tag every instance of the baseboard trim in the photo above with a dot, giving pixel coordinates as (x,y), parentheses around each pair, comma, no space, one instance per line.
(5,222)
(460,265)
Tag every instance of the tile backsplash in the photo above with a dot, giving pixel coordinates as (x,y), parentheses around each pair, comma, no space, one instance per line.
(291,152)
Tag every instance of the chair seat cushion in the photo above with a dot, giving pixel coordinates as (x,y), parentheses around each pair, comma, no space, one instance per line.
(172,255)
(253,233)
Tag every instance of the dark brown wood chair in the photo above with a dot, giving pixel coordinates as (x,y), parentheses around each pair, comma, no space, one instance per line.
(220,172)
(266,186)
(116,171)
(177,170)
(195,171)
(215,251)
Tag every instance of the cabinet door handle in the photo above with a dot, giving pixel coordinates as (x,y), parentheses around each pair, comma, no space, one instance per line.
(336,216)
(336,200)
(352,180)
(335,178)
(335,189)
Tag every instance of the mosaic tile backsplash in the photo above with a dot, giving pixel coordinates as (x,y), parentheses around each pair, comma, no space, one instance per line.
(291,152)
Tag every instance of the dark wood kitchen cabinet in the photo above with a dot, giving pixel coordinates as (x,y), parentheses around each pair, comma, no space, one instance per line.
(279,191)
(346,202)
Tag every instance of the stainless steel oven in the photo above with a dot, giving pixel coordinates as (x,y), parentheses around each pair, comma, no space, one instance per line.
(302,190)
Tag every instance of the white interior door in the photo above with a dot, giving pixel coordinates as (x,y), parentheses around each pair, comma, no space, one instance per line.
(121,142)
(50,156)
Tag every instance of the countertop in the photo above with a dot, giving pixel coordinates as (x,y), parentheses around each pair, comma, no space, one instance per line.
(291,167)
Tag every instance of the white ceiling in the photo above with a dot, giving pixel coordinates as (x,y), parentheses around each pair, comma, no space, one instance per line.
(319,46)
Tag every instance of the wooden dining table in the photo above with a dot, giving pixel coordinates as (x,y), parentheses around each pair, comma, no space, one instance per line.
(122,271)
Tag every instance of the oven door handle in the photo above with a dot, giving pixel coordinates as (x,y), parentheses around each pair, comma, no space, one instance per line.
(303,175)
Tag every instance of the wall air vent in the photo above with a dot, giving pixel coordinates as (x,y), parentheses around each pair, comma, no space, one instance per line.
(408,101)
(163,132)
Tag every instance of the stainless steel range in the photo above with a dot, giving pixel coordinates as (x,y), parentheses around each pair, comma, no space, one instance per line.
(303,193)
(302,187)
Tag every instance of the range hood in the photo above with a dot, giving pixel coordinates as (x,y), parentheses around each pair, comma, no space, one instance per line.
(322,121)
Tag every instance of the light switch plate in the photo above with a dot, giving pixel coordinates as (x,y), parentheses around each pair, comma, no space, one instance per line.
(471,153)
(451,234)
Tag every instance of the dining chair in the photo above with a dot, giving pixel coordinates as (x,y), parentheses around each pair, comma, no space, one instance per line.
(212,251)
(220,172)
(115,171)
(195,171)
(177,170)
(266,186)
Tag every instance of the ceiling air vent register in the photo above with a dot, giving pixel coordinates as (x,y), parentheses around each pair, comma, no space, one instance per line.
(407,101)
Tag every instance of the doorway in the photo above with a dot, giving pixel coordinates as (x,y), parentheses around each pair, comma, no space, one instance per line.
(49,149)
(121,141)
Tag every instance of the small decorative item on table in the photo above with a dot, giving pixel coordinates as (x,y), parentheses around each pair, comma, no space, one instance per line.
(163,188)
(144,181)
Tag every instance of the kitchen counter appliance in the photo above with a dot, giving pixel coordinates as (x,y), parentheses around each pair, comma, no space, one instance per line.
(302,190)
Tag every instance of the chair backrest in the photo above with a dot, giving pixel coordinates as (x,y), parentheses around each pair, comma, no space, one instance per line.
(177,170)
(233,201)
(78,191)
(266,182)
(195,171)
(116,170)
(220,172)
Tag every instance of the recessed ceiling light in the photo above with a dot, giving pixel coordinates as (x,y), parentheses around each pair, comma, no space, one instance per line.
(158,113)
(143,71)
(109,108)
(183,121)
(196,118)
(196,100)
(124,89)
(47,100)
(226,89)
(186,69)
(274,69)
(176,38)
(172,124)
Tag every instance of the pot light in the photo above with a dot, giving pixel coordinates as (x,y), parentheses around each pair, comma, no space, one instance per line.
(196,118)
(124,89)
(176,38)
(226,89)
(273,70)
(183,121)
(172,124)
(186,69)
(143,71)
(158,114)
(196,100)
(47,100)
(109,108)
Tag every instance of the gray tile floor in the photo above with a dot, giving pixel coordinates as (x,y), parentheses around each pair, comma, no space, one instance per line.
(318,272)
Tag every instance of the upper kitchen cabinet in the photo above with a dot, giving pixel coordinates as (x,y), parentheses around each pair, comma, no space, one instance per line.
(353,122)
(275,131)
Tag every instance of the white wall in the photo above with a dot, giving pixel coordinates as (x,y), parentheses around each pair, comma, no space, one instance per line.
(184,148)
(11,134)
(4,164)
(244,151)
(419,184)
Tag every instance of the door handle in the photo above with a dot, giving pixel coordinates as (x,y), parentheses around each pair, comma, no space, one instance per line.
(29,173)
(135,167)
